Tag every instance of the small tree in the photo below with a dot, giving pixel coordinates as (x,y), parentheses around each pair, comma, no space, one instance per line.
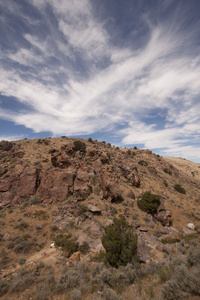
(179,189)
(79,146)
(149,203)
(120,242)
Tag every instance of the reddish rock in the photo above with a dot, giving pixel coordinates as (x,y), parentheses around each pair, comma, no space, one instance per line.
(131,174)
(110,186)
(76,256)
(94,209)
(164,217)
(6,146)
(21,183)
(56,185)
(82,182)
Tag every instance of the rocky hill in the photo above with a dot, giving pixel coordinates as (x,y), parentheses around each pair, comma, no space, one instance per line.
(57,188)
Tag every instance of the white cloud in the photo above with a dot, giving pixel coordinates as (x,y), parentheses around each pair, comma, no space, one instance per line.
(79,95)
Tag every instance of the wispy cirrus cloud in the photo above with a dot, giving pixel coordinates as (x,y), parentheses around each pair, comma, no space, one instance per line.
(71,78)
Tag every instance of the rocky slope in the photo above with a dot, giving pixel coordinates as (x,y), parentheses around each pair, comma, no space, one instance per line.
(56,185)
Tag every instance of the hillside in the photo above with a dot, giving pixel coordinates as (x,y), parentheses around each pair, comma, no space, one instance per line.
(54,187)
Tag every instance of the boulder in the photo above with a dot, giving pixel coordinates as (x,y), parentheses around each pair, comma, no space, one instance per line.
(143,251)
(82,182)
(163,215)
(76,256)
(131,194)
(110,185)
(94,229)
(21,184)
(56,185)
(94,209)
(6,146)
(187,231)
(191,226)
(131,174)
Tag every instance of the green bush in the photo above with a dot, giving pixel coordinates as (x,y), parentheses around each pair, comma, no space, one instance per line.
(143,163)
(165,183)
(79,146)
(90,140)
(179,189)
(149,203)
(167,171)
(120,242)
(66,243)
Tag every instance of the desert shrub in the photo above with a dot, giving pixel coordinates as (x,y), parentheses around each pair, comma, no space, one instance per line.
(22,261)
(106,278)
(109,144)
(71,279)
(193,256)
(135,148)
(185,279)
(42,293)
(75,294)
(23,247)
(129,152)
(41,265)
(79,146)
(179,189)
(190,238)
(110,294)
(54,228)
(84,247)
(164,274)
(170,241)
(41,214)
(10,245)
(143,163)
(120,242)
(165,183)
(66,243)
(20,283)
(22,225)
(82,209)
(170,291)
(4,286)
(168,171)
(90,140)
(100,257)
(149,203)
(35,200)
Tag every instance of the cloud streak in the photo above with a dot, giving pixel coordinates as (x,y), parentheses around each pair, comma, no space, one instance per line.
(72,79)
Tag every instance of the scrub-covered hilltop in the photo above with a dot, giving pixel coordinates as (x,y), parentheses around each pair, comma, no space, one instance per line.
(84,197)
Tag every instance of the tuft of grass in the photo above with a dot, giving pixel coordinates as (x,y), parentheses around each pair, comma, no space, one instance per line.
(179,189)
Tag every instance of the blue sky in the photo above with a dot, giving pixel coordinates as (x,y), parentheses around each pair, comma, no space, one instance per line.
(127,72)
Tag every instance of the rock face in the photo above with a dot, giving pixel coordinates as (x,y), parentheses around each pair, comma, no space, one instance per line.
(56,185)
(20,184)
(110,185)
(131,174)
(73,172)
(94,209)
(163,216)
(6,146)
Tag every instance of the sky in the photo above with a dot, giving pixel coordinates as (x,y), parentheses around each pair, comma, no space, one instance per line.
(122,71)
